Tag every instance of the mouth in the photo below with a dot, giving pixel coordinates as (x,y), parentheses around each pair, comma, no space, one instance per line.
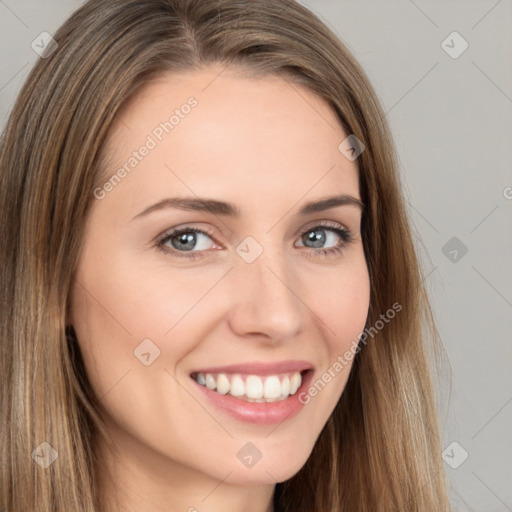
(258,393)
(252,387)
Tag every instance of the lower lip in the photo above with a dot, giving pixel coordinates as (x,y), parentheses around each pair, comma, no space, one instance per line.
(260,413)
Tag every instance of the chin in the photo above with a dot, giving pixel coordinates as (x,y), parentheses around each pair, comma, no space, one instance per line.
(270,469)
(263,476)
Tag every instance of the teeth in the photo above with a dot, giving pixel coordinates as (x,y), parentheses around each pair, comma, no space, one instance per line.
(237,386)
(211,383)
(254,388)
(295,383)
(272,387)
(285,386)
(222,384)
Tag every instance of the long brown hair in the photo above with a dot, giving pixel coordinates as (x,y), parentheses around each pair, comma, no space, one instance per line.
(380,450)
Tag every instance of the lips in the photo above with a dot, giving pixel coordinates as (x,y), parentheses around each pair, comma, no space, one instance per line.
(257,368)
(255,392)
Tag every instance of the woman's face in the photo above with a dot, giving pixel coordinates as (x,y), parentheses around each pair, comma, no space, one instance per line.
(194,342)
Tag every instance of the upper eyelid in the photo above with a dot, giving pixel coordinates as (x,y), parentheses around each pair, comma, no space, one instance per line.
(323,224)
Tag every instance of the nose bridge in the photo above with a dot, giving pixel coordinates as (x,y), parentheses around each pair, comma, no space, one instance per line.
(265,298)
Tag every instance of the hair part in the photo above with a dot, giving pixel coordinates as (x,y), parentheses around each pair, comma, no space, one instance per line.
(380,450)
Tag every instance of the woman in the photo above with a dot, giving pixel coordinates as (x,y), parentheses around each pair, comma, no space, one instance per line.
(211,295)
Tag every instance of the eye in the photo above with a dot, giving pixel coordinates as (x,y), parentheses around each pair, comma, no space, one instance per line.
(327,233)
(191,243)
(186,239)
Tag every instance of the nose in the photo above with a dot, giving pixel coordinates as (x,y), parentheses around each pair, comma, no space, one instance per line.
(266,298)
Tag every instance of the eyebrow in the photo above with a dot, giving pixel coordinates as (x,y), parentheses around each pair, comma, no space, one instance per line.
(230,210)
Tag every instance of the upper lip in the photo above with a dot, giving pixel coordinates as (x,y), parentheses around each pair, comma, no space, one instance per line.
(259,368)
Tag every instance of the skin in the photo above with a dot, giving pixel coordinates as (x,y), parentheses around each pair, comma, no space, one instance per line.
(268,147)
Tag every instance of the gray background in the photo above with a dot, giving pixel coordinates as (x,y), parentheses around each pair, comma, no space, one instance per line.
(452,123)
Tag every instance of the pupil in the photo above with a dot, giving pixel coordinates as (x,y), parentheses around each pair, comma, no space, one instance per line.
(317,237)
(186,238)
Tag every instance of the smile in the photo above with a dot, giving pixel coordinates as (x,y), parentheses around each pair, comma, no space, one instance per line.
(251,388)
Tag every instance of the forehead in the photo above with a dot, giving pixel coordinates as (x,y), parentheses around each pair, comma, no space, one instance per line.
(214,131)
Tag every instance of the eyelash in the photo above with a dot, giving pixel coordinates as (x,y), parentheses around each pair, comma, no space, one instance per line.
(345,235)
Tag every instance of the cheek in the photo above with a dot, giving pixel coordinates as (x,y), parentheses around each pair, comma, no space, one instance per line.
(342,307)
(103,334)
(118,303)
(343,304)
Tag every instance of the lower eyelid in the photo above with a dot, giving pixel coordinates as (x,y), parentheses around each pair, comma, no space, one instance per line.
(343,233)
